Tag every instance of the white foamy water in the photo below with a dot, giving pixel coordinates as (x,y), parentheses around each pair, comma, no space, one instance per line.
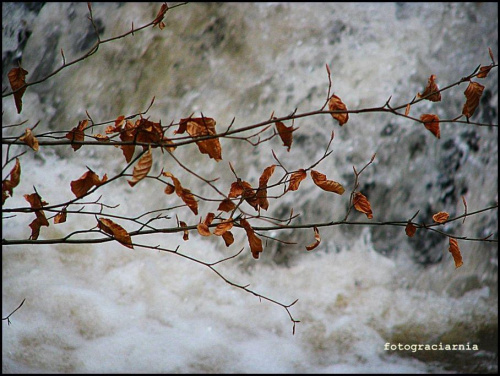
(106,308)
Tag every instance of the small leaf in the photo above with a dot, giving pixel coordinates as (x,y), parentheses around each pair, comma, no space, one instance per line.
(253,240)
(119,233)
(285,134)
(60,217)
(295,179)
(226,205)
(431,88)
(336,104)
(483,71)
(410,229)
(17,79)
(317,240)
(431,122)
(184,193)
(328,185)
(203,229)
(228,238)
(262,191)
(199,127)
(362,204)
(9,184)
(455,252)
(185,236)
(223,227)
(29,139)
(473,93)
(407,109)
(159,17)
(36,202)
(440,217)
(82,185)
(76,134)
(141,169)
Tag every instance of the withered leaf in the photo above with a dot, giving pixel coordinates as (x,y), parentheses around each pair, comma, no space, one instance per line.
(76,134)
(295,179)
(159,17)
(285,134)
(223,227)
(430,89)
(336,104)
(101,137)
(185,235)
(120,120)
(36,202)
(82,185)
(29,139)
(407,109)
(228,238)
(17,79)
(410,229)
(317,238)
(328,185)
(203,229)
(483,71)
(61,216)
(184,193)
(440,217)
(473,93)
(141,169)
(262,191)
(253,240)
(455,252)
(245,190)
(199,127)
(431,122)
(226,205)
(112,228)
(362,204)
(12,181)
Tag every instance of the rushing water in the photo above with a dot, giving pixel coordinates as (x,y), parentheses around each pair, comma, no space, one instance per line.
(106,308)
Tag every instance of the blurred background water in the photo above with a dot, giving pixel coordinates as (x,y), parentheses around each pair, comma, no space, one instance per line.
(105,308)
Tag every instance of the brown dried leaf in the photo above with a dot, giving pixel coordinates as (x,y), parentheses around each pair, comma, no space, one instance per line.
(431,88)
(407,109)
(29,139)
(169,189)
(316,243)
(440,217)
(253,240)
(36,202)
(60,217)
(327,185)
(455,252)
(285,134)
(184,193)
(101,137)
(17,79)
(431,122)
(295,179)
(9,184)
(185,236)
(262,191)
(199,127)
(82,185)
(473,93)
(362,204)
(410,229)
(76,134)
(159,17)
(203,229)
(141,169)
(228,238)
(223,227)
(336,104)
(226,205)
(112,228)
(483,71)
(128,135)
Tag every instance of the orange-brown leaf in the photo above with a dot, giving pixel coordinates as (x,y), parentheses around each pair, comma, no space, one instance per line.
(226,205)
(431,122)
(101,137)
(228,238)
(36,202)
(336,104)
(185,236)
(60,217)
(285,134)
(223,227)
(203,229)
(473,93)
(410,229)
(483,71)
(199,127)
(184,193)
(29,139)
(159,17)
(362,204)
(76,134)
(317,238)
(141,169)
(127,135)
(112,228)
(82,185)
(253,240)
(440,217)
(9,184)
(262,191)
(17,79)
(328,185)
(432,90)
(455,252)
(295,179)
(407,109)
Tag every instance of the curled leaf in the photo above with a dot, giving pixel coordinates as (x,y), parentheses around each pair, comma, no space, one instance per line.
(200,127)
(285,134)
(223,227)
(61,216)
(141,169)
(431,122)
(253,240)
(317,240)
(228,238)
(29,139)
(328,185)
(484,70)
(185,235)
(82,185)
(455,252)
(410,229)
(9,184)
(112,228)
(336,104)
(203,229)
(295,179)
(262,191)
(37,203)
(226,205)
(184,193)
(473,93)
(440,217)
(431,92)
(17,79)
(159,17)
(362,204)
(76,134)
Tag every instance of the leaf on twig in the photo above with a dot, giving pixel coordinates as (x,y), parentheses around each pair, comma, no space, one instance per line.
(362,204)
(440,217)
(328,185)
(228,238)
(184,193)
(245,190)
(36,202)
(410,229)
(455,252)
(17,79)
(29,139)
(336,104)
(9,184)
(285,134)
(185,235)
(432,89)
(407,109)
(112,228)
(431,122)
(141,169)
(82,185)
(253,240)
(203,228)
(317,238)
(199,127)
(159,17)
(61,216)
(223,227)
(473,93)
(295,179)
(226,205)
(484,70)
(262,191)
(76,134)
